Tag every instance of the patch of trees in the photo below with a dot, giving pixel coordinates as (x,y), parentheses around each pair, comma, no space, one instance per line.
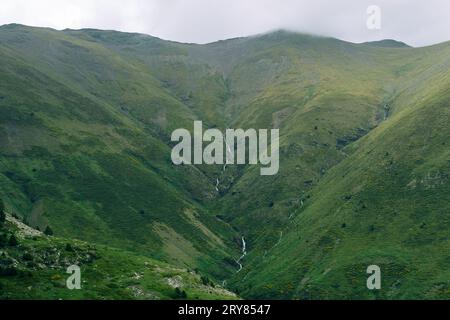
(180,294)
(12,242)
(48,231)
(206,281)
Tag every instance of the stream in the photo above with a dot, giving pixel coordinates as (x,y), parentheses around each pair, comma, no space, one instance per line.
(244,253)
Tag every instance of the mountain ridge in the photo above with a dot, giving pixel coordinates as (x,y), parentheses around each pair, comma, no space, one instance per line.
(382,42)
(85,148)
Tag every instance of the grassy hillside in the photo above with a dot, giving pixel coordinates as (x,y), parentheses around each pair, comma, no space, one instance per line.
(369,186)
(85,150)
(85,125)
(35,268)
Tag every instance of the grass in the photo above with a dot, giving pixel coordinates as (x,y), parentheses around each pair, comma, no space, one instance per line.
(36,269)
(85,125)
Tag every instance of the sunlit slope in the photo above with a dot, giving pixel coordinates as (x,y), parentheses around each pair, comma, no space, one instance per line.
(386,203)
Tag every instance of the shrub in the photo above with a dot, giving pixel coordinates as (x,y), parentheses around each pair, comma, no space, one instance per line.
(8,271)
(3,240)
(48,231)
(27,256)
(13,241)
(179,294)
(205,280)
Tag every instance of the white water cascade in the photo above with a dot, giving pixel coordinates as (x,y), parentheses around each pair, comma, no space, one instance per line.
(244,253)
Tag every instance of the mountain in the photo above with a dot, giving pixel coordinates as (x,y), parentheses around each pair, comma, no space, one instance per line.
(85,124)
(84,143)
(35,266)
(387,43)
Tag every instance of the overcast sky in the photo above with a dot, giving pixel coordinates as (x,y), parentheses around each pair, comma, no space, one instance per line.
(416,22)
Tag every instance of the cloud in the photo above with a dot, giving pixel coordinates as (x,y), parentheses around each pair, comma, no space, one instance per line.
(415,22)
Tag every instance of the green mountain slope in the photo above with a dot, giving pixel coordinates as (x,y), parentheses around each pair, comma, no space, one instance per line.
(35,267)
(386,203)
(344,179)
(85,149)
(85,125)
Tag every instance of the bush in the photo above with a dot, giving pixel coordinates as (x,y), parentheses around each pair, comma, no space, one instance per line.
(3,240)
(180,294)
(13,241)
(205,280)
(8,271)
(48,231)
(27,256)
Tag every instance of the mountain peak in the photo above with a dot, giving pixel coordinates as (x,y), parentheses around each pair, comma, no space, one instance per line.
(387,43)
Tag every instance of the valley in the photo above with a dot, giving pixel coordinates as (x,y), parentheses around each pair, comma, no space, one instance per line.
(86,120)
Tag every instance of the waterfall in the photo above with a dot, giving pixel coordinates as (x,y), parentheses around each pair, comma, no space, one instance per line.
(244,253)
(217,184)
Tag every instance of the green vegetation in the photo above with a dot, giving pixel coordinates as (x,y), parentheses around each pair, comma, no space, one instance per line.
(48,231)
(85,124)
(36,269)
